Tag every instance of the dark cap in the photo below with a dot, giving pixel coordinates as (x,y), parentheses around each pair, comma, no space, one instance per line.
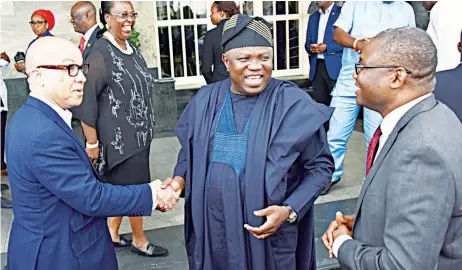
(245,31)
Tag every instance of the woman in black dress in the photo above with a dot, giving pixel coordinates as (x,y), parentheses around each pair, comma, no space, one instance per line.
(117,114)
(220,12)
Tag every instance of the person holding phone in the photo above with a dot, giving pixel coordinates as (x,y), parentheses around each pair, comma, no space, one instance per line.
(41,23)
(325,54)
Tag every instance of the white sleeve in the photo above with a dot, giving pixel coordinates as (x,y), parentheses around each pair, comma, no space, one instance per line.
(338,243)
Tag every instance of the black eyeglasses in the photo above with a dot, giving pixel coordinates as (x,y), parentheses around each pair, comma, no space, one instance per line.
(72,69)
(39,23)
(358,67)
(125,15)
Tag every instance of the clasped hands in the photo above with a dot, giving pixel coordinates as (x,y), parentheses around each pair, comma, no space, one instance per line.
(168,192)
(342,225)
(318,48)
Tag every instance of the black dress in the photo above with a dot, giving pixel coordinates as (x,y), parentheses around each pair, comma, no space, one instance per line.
(212,56)
(118,104)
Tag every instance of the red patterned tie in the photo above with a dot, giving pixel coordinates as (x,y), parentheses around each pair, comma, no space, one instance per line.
(372,149)
(82,42)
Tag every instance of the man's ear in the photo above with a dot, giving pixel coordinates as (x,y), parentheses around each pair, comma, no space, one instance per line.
(225,61)
(398,77)
(36,76)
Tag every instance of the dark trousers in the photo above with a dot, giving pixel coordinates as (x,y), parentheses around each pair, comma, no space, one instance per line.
(2,149)
(322,84)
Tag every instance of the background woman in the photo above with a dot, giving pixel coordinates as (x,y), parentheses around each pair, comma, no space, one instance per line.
(221,11)
(117,114)
(41,22)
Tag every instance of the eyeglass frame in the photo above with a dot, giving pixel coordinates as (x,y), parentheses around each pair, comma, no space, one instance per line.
(84,68)
(132,15)
(37,23)
(358,67)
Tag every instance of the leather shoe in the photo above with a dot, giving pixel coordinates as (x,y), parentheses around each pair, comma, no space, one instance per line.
(123,242)
(326,190)
(151,251)
(6,203)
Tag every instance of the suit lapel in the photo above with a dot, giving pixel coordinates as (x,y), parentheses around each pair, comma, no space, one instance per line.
(422,106)
(90,42)
(330,22)
(53,115)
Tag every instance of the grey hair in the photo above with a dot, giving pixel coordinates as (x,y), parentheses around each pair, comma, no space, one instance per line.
(412,49)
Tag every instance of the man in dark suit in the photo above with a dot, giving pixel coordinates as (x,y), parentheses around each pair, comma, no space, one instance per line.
(83,19)
(408,214)
(325,54)
(449,86)
(59,203)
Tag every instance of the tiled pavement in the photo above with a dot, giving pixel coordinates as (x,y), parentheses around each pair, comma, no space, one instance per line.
(163,157)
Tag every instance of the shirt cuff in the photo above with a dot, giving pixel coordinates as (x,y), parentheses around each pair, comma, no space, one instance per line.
(153,186)
(338,242)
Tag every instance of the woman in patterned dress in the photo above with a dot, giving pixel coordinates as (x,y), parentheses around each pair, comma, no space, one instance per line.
(117,114)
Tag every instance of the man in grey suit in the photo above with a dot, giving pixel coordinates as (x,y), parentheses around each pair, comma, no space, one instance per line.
(409,212)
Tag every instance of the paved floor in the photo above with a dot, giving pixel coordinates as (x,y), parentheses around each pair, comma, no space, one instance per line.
(163,157)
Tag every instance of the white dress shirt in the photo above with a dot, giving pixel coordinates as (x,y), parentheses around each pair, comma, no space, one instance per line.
(3,90)
(323,18)
(388,124)
(88,34)
(444,29)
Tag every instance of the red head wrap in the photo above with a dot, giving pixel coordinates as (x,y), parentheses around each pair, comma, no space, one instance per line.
(47,15)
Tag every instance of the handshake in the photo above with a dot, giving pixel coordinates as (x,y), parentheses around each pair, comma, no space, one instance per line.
(167,192)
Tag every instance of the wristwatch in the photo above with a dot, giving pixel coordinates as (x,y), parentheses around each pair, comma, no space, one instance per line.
(292,214)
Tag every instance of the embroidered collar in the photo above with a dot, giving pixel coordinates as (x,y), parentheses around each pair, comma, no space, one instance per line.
(128,51)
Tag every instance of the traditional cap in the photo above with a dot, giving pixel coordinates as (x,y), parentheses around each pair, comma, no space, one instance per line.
(245,31)
(47,15)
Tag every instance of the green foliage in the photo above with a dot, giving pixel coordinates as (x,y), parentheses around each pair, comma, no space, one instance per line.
(134,38)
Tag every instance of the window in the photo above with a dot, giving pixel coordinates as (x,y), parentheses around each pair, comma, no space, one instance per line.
(181,26)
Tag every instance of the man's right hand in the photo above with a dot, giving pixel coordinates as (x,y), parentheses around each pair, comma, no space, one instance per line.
(93,154)
(176,184)
(166,198)
(345,220)
(361,44)
(340,219)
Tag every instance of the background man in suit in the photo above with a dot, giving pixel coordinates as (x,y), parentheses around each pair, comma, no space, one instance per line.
(408,214)
(59,203)
(325,54)
(83,19)
(449,86)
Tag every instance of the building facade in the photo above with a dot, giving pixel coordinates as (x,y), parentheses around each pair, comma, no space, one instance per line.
(171,34)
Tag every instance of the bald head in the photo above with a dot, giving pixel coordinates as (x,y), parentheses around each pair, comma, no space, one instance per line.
(44,52)
(83,16)
(56,74)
